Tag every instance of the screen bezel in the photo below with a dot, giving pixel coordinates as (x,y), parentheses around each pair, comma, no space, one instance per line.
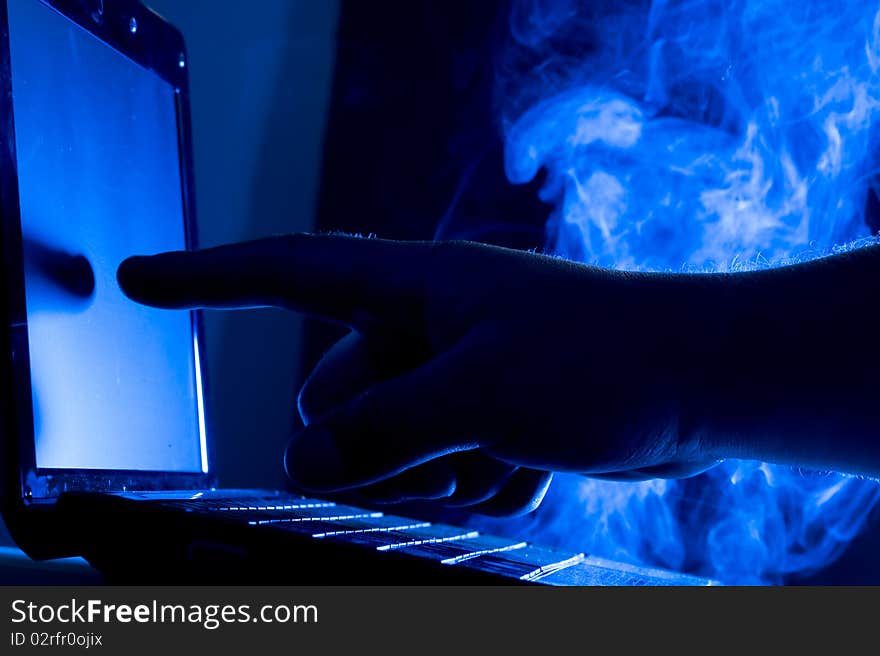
(155,45)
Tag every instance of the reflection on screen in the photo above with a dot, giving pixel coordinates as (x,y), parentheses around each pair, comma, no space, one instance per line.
(113,382)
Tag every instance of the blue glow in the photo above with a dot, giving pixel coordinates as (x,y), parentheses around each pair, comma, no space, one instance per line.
(99,175)
(699,136)
(319,518)
(469,535)
(373,529)
(200,402)
(455,560)
(545,570)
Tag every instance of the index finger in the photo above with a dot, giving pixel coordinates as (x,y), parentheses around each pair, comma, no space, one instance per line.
(336,277)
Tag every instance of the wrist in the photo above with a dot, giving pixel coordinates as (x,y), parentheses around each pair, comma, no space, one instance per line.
(781,368)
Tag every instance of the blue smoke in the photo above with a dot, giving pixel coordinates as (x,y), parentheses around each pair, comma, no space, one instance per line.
(705,135)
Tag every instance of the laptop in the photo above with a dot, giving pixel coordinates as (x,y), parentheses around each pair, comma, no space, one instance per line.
(106,449)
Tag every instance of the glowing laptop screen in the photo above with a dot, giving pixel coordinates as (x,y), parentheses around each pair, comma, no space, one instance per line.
(113,383)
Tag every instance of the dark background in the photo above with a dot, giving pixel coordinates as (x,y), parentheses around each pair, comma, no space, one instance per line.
(376,117)
(413,150)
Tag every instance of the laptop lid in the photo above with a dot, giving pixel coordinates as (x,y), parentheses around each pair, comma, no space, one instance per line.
(100,394)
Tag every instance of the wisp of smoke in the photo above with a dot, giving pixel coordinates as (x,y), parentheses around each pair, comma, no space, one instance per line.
(694,136)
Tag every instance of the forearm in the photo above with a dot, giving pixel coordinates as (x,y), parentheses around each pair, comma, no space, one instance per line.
(783,365)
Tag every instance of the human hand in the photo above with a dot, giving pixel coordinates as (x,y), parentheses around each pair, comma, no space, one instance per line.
(472,371)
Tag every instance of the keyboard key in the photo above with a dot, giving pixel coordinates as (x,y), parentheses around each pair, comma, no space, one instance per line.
(595,571)
(528,563)
(362,526)
(305,510)
(457,551)
(414,534)
(249,504)
(299,515)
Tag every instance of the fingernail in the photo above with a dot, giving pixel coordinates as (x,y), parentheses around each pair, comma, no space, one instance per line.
(312,460)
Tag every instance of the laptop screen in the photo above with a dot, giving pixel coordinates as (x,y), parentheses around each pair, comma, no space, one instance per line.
(114,384)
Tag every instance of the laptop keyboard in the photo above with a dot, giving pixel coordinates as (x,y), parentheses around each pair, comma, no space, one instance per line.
(449,545)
